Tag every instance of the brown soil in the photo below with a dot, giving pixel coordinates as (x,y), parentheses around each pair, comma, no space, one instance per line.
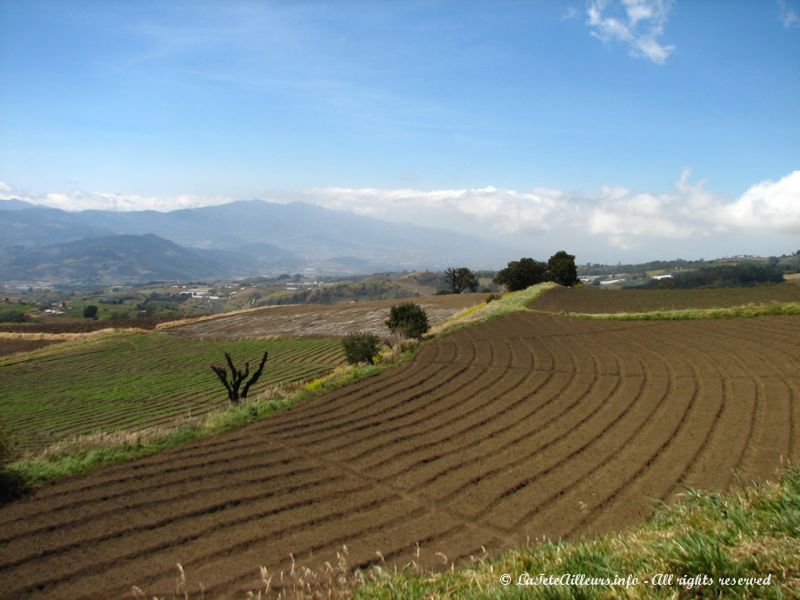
(598,300)
(315,320)
(74,325)
(528,425)
(12,346)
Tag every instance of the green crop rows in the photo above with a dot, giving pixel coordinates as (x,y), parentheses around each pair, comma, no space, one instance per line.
(133,381)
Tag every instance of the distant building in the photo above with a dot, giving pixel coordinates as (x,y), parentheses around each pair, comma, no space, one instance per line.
(200,292)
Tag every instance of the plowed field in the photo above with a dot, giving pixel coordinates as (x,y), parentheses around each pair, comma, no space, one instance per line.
(12,346)
(316,320)
(527,425)
(594,300)
(135,381)
(75,325)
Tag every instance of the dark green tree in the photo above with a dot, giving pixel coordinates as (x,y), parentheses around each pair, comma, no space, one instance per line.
(360,347)
(562,269)
(521,273)
(460,279)
(90,312)
(234,382)
(408,319)
(13,316)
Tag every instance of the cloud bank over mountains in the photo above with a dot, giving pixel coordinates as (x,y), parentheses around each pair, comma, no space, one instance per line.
(624,219)
(82,200)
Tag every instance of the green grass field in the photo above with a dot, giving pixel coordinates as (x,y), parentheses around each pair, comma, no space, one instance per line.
(134,381)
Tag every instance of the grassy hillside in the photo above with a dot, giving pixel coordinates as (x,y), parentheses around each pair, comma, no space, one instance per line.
(135,381)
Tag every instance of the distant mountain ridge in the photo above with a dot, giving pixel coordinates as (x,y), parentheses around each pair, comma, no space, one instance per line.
(239,239)
(110,260)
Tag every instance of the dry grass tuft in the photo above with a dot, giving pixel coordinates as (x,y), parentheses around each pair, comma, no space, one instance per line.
(37,335)
(84,443)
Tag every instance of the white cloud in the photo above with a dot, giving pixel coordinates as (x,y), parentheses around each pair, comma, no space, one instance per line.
(501,210)
(772,206)
(637,23)
(626,218)
(623,218)
(570,13)
(80,200)
(788,16)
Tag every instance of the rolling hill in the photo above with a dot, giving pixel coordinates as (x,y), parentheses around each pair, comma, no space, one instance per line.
(247,237)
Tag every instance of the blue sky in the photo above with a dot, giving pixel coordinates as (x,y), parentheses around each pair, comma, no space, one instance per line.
(511,107)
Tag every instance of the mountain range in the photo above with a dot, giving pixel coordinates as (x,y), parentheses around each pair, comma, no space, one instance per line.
(230,241)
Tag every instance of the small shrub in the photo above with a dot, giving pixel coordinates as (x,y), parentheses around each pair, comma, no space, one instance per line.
(90,312)
(408,319)
(492,297)
(13,316)
(361,347)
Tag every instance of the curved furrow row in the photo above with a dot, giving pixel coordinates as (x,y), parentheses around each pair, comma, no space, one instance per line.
(747,390)
(584,505)
(507,450)
(463,430)
(565,513)
(341,401)
(385,410)
(577,477)
(88,492)
(100,560)
(544,394)
(431,406)
(730,432)
(148,498)
(394,535)
(426,380)
(436,417)
(554,460)
(59,540)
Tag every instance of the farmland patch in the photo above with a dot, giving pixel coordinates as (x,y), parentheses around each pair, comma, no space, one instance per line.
(134,381)
(631,300)
(529,425)
(12,346)
(324,321)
